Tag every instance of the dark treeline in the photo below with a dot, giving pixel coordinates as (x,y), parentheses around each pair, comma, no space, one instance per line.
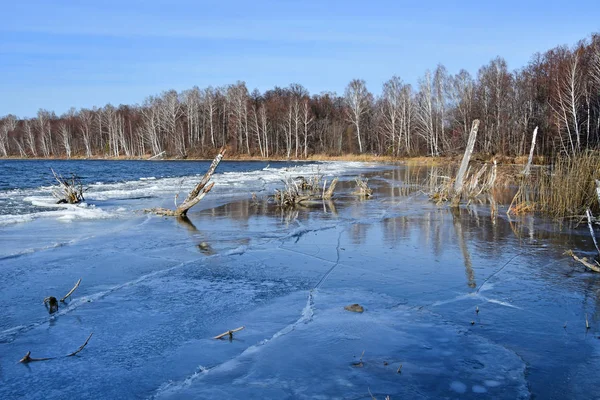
(559,91)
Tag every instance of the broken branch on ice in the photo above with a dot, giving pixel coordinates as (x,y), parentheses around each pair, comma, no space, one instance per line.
(229,333)
(80,347)
(27,358)
(594,267)
(66,296)
(197,194)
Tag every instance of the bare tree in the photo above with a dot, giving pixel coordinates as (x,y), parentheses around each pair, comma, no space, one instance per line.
(151,129)
(426,116)
(30,137)
(391,111)
(307,119)
(210,103)
(462,93)
(358,102)
(65,134)
(237,96)
(568,95)
(7,124)
(44,132)
(86,119)
(440,86)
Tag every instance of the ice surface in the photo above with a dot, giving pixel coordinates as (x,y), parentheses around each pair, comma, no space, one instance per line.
(156,290)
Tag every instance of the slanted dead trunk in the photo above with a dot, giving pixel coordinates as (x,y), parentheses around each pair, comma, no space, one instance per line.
(459,182)
(527,169)
(197,194)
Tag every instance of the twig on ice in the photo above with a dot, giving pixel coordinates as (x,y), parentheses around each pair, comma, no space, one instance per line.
(230,333)
(27,358)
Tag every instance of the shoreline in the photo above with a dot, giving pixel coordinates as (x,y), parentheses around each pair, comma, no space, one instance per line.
(417,160)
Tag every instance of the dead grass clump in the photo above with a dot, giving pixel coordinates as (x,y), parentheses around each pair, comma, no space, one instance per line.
(362,187)
(302,190)
(477,182)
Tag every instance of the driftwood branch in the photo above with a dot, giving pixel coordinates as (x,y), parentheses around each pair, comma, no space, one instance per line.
(81,347)
(459,182)
(197,194)
(66,296)
(584,261)
(229,333)
(157,156)
(27,358)
(68,191)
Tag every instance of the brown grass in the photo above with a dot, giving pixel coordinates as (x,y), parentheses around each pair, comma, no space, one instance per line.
(569,188)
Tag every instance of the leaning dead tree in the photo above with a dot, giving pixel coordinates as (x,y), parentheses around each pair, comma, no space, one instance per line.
(197,194)
(522,201)
(460,177)
(68,191)
(469,183)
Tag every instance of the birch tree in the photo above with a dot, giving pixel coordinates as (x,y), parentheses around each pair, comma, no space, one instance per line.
(65,134)
(86,119)
(568,97)
(30,137)
(358,103)
(425,114)
(307,120)
(391,111)
(7,124)
(462,93)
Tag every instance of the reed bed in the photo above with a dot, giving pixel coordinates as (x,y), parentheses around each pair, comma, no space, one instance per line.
(568,188)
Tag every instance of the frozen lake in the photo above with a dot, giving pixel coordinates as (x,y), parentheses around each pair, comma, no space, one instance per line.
(155,290)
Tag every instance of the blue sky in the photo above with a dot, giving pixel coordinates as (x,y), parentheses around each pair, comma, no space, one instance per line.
(59,54)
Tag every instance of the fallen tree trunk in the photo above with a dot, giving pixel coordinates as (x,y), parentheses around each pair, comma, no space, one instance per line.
(157,156)
(197,194)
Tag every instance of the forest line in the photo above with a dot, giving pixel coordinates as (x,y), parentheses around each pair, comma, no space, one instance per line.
(558,91)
